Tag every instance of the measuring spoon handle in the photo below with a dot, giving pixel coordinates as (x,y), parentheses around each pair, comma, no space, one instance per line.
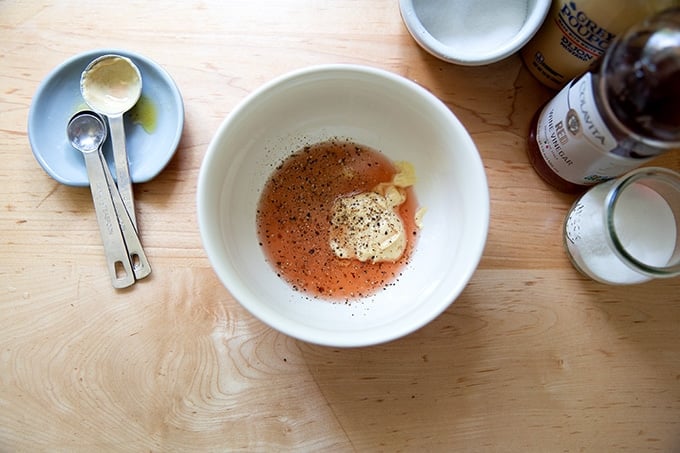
(117,259)
(140,264)
(117,127)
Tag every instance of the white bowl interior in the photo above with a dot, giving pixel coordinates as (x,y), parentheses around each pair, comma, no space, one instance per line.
(473,32)
(374,108)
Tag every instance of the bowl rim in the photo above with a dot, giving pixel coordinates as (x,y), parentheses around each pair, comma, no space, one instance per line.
(446,53)
(210,230)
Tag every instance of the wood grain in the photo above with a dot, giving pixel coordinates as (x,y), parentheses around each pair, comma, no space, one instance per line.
(531,357)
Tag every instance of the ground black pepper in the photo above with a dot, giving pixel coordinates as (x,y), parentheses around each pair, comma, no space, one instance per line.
(293,219)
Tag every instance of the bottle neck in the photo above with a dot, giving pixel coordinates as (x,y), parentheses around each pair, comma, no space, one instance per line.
(637,84)
(630,143)
(635,143)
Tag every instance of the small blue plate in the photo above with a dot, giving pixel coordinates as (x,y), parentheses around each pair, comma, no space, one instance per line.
(153,127)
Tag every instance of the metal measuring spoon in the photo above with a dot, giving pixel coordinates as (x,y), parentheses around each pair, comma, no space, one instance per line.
(140,265)
(126,262)
(111,85)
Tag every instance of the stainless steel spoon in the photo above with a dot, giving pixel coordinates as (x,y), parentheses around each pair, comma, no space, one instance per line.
(111,85)
(140,264)
(125,257)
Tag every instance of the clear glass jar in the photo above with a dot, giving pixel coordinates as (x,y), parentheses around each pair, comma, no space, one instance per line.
(627,230)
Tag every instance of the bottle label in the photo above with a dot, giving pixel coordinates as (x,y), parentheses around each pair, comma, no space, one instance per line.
(582,37)
(574,140)
(575,33)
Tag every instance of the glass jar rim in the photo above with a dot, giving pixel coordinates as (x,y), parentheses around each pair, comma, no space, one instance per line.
(663,175)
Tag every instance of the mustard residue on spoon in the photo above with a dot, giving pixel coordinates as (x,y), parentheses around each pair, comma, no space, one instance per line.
(111,84)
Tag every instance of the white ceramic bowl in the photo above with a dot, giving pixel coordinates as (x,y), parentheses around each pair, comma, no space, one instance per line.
(375,108)
(473,32)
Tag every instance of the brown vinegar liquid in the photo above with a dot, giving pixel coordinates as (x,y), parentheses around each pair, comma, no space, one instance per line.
(643,87)
(541,167)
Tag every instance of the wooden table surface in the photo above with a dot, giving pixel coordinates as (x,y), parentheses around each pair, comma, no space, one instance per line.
(531,357)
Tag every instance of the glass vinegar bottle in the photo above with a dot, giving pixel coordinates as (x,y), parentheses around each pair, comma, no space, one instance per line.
(617,116)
